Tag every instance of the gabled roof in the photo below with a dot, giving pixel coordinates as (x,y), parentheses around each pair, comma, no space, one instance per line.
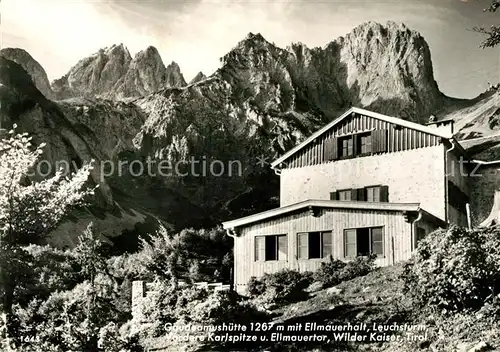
(321,204)
(375,115)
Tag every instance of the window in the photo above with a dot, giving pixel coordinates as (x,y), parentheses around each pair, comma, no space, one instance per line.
(363,242)
(350,248)
(377,241)
(365,194)
(274,247)
(345,195)
(373,194)
(311,245)
(355,144)
(346,146)
(364,143)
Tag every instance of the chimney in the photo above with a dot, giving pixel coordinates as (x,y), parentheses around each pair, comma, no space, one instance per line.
(445,126)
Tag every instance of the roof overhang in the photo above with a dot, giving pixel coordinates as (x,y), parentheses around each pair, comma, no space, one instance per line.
(486,163)
(375,115)
(323,204)
(474,142)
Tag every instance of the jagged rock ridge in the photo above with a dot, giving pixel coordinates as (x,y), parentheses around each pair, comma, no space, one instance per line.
(112,73)
(262,101)
(267,99)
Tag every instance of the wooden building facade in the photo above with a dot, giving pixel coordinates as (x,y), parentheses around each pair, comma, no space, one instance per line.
(365,184)
(302,236)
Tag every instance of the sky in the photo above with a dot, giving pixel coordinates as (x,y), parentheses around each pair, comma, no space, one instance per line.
(196,33)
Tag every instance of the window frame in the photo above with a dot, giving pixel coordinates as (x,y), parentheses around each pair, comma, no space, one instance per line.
(370,228)
(350,140)
(379,187)
(346,243)
(360,137)
(347,190)
(378,143)
(321,242)
(277,250)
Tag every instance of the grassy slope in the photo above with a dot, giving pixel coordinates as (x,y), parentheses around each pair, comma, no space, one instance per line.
(376,298)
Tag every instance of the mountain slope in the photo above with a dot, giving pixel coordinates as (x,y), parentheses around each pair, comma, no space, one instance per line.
(264,100)
(34,69)
(479,117)
(259,104)
(79,130)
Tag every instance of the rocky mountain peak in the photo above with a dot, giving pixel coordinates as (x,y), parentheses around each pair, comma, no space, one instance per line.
(113,73)
(174,77)
(95,75)
(173,66)
(200,76)
(146,74)
(384,67)
(254,41)
(253,51)
(389,62)
(149,53)
(257,37)
(118,50)
(389,26)
(18,92)
(31,66)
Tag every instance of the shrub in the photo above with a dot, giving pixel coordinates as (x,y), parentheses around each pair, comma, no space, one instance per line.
(168,304)
(281,287)
(184,254)
(360,266)
(454,269)
(255,287)
(69,320)
(335,271)
(224,306)
(187,299)
(52,270)
(490,243)
(158,307)
(115,339)
(329,272)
